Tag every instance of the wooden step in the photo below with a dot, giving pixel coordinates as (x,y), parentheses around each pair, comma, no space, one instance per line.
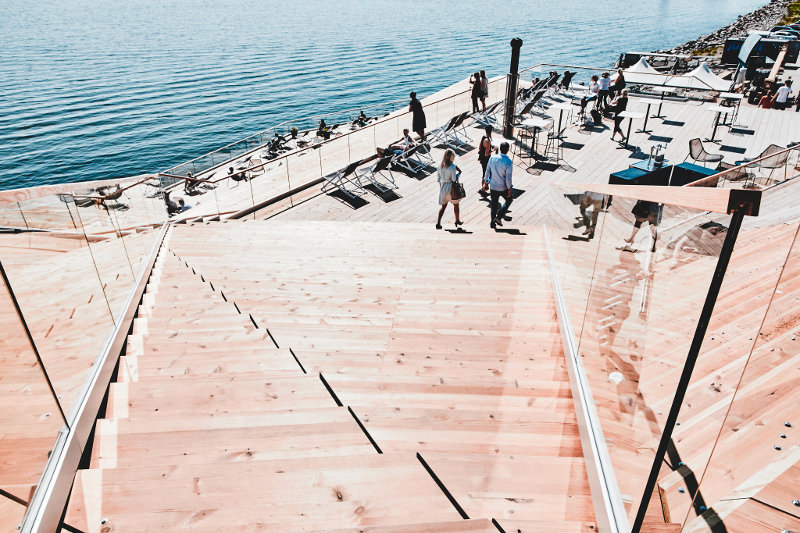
(204,395)
(124,443)
(516,487)
(281,495)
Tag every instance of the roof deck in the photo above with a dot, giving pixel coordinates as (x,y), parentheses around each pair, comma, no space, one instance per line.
(332,363)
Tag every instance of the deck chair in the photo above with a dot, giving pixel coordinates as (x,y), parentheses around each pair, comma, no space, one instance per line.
(340,178)
(736,175)
(488,117)
(565,81)
(371,174)
(771,162)
(442,134)
(698,153)
(409,159)
(460,127)
(537,99)
(258,168)
(552,83)
(519,117)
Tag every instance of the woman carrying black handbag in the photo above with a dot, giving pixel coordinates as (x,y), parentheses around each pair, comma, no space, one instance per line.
(450,191)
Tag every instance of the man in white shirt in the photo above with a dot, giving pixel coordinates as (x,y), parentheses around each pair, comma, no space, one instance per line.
(782,96)
(498,175)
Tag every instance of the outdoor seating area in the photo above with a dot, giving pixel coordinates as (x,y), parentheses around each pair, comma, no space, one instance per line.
(390,390)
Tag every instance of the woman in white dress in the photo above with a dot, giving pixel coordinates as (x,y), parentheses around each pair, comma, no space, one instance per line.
(447,173)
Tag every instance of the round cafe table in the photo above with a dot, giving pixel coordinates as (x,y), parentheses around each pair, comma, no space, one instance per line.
(664,91)
(561,106)
(631,116)
(534,124)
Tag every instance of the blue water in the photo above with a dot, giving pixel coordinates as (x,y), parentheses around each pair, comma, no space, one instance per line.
(95,90)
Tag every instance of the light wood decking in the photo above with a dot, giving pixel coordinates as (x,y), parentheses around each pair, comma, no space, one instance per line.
(475,385)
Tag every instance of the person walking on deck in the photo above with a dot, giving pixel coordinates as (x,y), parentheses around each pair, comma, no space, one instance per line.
(447,174)
(417,116)
(498,175)
(484,153)
(619,104)
(782,95)
(649,212)
(595,201)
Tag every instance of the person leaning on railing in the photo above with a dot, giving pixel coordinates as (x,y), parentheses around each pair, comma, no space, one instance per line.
(418,122)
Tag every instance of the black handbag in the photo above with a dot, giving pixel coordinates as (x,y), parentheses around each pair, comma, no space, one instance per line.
(457,191)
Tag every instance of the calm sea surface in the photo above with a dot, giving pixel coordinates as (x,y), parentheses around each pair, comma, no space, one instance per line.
(95,90)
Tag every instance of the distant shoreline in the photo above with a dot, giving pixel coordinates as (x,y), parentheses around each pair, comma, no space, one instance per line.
(761,19)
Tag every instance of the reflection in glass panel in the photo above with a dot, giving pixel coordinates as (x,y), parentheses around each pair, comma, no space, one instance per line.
(29,415)
(108,252)
(751,479)
(57,287)
(643,308)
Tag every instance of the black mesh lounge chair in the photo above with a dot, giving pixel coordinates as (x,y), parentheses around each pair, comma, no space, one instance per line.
(409,159)
(566,80)
(371,174)
(443,134)
(772,159)
(339,179)
(552,83)
(698,153)
(440,134)
(488,117)
(460,128)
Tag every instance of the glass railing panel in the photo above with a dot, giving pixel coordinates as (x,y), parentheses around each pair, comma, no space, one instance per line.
(334,155)
(12,216)
(30,417)
(635,297)
(754,436)
(384,132)
(574,251)
(643,308)
(56,284)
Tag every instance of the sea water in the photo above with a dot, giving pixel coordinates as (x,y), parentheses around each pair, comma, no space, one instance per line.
(96,90)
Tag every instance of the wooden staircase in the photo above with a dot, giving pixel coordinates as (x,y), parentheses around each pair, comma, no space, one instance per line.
(338,379)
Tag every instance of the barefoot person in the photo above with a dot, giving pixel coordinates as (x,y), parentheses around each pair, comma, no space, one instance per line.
(447,173)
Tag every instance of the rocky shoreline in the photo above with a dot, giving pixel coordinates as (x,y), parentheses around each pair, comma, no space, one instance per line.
(760,19)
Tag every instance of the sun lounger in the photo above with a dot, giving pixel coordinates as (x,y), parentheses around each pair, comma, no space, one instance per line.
(339,180)
(371,174)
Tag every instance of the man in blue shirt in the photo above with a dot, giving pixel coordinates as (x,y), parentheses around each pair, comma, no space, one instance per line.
(498,175)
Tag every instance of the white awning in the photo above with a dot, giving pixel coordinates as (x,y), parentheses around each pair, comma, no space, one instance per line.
(701,78)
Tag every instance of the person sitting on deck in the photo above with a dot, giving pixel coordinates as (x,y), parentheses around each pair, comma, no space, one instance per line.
(175,206)
(190,184)
(237,176)
(399,147)
(361,120)
(323,130)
